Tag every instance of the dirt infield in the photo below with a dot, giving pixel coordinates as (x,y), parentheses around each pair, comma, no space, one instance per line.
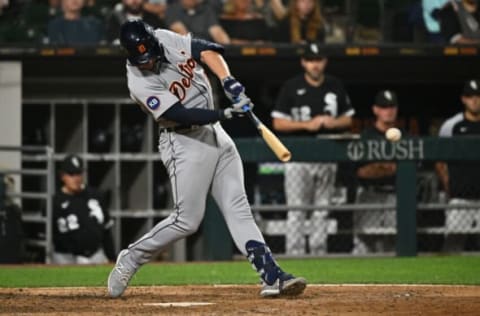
(243,300)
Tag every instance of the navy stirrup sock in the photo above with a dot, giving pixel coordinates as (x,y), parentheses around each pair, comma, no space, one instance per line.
(262,261)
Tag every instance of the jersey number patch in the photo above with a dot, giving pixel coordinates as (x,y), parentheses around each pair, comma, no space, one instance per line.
(303,113)
(69,223)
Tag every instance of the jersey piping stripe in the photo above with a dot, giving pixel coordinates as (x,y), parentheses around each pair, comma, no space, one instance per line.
(177,209)
(447,128)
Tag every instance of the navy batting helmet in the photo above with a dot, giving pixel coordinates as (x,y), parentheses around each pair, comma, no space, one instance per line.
(138,39)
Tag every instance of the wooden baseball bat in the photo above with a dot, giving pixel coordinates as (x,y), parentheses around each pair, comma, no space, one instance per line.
(272,141)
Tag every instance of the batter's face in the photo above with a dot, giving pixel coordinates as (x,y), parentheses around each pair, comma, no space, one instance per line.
(314,68)
(472,104)
(150,66)
(72,183)
(386,115)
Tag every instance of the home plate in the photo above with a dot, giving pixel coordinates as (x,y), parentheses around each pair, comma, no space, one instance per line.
(178,304)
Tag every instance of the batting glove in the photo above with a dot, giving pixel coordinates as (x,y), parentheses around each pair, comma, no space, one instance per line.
(229,113)
(237,109)
(233,89)
(240,101)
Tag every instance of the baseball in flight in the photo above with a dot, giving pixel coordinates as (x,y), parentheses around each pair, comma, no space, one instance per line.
(393,134)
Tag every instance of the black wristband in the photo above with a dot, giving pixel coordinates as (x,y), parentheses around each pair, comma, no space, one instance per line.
(221,114)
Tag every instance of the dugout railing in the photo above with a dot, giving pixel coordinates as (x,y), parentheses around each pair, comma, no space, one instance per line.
(41,216)
(408,153)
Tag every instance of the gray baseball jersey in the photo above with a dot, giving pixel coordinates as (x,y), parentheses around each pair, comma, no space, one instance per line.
(199,161)
(180,79)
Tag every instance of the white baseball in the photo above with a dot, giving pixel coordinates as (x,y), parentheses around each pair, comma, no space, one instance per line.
(393,134)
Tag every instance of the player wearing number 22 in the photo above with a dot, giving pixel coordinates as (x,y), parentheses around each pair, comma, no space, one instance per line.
(81,223)
(310,104)
(167,80)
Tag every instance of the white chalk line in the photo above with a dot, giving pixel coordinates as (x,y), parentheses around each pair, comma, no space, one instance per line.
(178,304)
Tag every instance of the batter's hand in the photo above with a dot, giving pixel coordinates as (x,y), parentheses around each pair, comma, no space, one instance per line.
(233,89)
(230,113)
(237,108)
(240,101)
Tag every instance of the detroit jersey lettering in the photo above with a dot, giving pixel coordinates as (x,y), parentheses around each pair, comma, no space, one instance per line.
(180,78)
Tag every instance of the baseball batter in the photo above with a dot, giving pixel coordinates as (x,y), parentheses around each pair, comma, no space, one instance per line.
(166,79)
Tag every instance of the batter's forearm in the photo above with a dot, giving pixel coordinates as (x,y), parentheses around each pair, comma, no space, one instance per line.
(216,63)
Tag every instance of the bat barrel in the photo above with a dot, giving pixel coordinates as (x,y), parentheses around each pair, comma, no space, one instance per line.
(286,156)
(282,153)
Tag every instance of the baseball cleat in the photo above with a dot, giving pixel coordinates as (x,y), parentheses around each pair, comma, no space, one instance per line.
(286,285)
(120,276)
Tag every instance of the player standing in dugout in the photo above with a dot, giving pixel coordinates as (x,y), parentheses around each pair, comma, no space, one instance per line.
(311,103)
(460,180)
(377,184)
(167,81)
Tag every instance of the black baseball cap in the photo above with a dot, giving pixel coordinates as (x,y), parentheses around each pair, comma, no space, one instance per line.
(471,88)
(313,51)
(72,164)
(386,98)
